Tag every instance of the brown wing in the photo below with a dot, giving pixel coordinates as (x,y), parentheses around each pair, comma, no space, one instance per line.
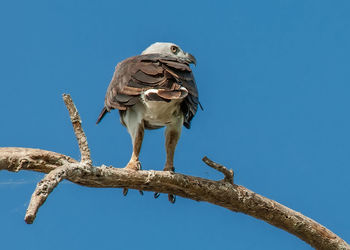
(153,71)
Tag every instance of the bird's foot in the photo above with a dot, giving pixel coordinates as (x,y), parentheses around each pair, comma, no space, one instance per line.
(133,165)
(125,191)
(169,167)
(171,197)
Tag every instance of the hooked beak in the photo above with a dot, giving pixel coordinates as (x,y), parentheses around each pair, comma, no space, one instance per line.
(191,59)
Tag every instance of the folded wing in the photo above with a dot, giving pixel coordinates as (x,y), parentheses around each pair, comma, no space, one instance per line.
(137,74)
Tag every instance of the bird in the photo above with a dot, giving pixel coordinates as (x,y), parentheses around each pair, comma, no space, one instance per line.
(153,90)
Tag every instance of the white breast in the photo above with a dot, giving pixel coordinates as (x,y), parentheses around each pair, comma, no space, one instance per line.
(160,113)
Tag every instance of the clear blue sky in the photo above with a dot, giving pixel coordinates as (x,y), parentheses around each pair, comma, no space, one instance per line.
(273,77)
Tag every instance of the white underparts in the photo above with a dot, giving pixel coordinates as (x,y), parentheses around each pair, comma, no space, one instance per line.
(159,113)
(155,113)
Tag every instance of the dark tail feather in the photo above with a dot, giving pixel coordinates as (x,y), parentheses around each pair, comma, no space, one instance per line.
(102,114)
(200,105)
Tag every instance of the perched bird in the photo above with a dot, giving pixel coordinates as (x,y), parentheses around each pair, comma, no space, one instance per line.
(153,90)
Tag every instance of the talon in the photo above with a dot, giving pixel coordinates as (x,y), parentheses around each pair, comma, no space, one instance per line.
(141,192)
(138,164)
(125,191)
(156,195)
(171,198)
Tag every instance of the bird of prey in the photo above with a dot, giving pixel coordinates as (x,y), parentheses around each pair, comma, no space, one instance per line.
(153,90)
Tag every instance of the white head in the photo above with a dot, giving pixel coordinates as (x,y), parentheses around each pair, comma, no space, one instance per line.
(169,49)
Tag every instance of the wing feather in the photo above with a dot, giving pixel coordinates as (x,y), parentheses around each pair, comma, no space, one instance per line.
(137,74)
(146,78)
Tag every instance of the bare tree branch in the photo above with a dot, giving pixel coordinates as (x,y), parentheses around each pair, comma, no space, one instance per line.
(227,172)
(43,189)
(53,178)
(233,197)
(222,193)
(78,130)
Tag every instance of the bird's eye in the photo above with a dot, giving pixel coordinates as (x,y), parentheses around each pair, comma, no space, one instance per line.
(174,49)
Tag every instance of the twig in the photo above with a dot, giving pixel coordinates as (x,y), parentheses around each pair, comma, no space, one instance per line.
(42,191)
(228,173)
(78,130)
